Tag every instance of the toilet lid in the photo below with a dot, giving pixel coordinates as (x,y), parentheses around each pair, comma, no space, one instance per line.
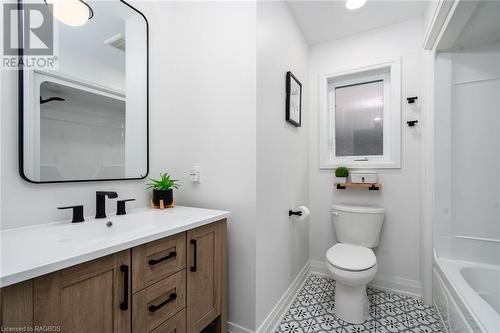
(351,257)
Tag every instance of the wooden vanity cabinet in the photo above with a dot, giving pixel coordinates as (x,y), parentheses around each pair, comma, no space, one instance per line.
(204,279)
(91,297)
(173,285)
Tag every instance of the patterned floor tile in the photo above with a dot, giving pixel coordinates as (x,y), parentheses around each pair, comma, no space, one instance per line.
(313,311)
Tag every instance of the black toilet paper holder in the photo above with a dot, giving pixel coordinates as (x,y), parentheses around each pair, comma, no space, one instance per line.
(291,212)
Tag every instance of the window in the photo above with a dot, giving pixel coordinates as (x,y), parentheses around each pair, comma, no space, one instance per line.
(360,119)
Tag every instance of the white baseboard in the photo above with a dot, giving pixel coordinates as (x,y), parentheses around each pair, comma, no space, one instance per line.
(274,318)
(319,267)
(233,328)
(398,285)
(394,284)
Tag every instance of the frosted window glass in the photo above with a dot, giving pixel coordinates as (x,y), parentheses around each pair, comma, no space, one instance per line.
(359,119)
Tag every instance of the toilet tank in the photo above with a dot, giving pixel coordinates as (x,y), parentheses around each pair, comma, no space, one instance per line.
(358,225)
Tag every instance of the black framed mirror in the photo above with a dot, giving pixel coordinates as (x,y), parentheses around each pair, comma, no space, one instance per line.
(85,118)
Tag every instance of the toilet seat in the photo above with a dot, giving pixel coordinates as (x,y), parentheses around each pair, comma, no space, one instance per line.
(351,257)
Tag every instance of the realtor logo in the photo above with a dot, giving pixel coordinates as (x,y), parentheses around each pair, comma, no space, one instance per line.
(28,36)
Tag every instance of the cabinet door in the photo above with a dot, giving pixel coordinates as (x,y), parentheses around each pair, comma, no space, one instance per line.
(90,297)
(17,307)
(203,276)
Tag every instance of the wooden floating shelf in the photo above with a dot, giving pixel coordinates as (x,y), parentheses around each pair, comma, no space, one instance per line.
(370,187)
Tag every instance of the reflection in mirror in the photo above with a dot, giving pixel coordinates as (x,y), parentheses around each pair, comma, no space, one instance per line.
(87,118)
(88,128)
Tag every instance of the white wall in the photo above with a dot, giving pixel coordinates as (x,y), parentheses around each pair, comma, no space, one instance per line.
(203,63)
(399,252)
(442,226)
(202,112)
(282,156)
(468,154)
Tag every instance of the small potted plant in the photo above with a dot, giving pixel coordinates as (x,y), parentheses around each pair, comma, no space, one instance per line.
(341,174)
(163,189)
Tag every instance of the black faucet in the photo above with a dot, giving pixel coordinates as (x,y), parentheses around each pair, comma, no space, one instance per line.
(100,202)
(77,213)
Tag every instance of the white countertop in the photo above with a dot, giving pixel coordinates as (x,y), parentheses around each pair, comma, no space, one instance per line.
(33,251)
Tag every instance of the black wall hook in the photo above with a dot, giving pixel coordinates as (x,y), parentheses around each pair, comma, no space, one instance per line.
(412,123)
(50,99)
(291,212)
(411,100)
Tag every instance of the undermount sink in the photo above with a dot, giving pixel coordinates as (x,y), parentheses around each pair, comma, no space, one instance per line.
(96,230)
(114,226)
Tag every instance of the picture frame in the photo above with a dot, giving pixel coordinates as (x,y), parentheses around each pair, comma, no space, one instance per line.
(293,100)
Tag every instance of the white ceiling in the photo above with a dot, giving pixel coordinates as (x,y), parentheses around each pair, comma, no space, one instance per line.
(322,21)
(109,20)
(483,26)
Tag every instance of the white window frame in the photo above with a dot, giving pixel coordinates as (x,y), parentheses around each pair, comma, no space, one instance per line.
(390,73)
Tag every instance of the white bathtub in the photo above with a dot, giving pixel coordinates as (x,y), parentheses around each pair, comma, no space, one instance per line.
(467,295)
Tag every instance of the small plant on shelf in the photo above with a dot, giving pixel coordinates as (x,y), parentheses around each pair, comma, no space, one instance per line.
(341,174)
(163,189)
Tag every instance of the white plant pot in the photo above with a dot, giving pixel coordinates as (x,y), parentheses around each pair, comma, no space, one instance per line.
(340,180)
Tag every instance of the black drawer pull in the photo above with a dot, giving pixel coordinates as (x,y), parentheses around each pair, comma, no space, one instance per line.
(171,298)
(195,249)
(171,255)
(124,304)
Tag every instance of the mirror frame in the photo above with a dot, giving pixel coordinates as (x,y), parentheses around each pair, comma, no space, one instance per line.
(21,108)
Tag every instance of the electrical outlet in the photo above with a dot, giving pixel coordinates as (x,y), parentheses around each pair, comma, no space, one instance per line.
(194,174)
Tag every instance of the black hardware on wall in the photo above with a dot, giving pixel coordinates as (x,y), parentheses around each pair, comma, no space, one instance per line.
(120,206)
(50,99)
(195,256)
(171,255)
(411,100)
(77,213)
(412,123)
(124,304)
(291,212)
(340,187)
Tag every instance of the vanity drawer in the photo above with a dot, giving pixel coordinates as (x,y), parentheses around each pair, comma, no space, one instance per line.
(176,324)
(157,303)
(154,261)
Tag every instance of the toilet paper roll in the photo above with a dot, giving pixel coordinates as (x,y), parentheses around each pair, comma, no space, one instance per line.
(305,213)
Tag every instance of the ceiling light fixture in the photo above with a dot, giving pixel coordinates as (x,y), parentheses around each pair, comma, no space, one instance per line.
(354,4)
(71,12)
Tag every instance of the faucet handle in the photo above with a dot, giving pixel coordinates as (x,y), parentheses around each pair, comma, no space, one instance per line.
(77,213)
(120,206)
(109,194)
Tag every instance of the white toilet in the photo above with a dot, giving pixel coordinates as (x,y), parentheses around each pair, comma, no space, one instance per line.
(351,261)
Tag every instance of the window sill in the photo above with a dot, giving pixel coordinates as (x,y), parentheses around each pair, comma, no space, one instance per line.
(361,165)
